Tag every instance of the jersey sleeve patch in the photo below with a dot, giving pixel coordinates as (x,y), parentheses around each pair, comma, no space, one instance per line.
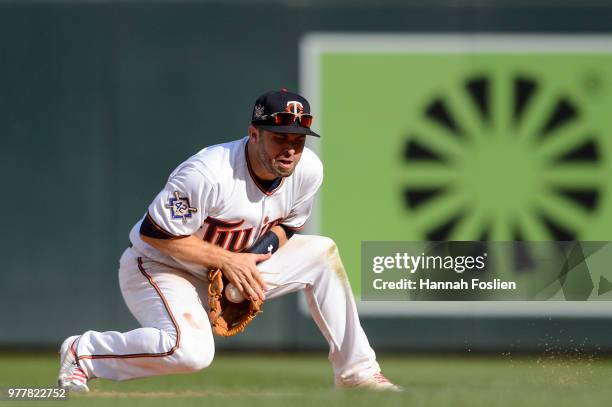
(182,205)
(180,208)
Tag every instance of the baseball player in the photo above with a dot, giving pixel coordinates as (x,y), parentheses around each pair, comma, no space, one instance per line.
(234,207)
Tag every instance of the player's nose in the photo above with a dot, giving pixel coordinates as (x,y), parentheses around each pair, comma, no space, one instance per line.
(293,148)
(289,151)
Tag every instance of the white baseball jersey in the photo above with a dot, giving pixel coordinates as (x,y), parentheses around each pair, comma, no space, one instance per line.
(215,196)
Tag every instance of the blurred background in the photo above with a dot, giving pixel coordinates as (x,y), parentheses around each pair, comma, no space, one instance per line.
(100,100)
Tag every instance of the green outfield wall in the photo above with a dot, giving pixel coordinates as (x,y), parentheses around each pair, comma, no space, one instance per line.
(100,100)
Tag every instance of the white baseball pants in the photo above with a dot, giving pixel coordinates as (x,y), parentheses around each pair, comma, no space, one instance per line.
(176,337)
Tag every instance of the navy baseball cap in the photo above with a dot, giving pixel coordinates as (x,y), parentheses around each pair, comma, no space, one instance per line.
(291,107)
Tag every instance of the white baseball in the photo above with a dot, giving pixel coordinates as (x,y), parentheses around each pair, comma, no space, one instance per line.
(233,294)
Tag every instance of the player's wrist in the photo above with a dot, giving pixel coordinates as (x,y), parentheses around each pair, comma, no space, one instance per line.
(268,243)
(214,257)
(224,258)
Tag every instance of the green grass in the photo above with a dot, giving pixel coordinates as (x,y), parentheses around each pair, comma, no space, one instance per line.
(306,380)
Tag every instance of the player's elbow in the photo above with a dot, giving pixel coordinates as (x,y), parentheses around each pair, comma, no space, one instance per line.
(146,239)
(157,243)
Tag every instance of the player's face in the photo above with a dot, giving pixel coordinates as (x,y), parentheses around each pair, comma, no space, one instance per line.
(277,153)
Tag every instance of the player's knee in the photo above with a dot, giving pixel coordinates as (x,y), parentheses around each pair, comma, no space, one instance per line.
(202,360)
(328,251)
(196,360)
(194,357)
(325,244)
(331,259)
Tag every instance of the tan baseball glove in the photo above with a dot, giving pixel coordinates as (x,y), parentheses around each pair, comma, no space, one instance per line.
(228,318)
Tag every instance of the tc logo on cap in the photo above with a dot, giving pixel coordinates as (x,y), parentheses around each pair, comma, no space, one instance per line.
(294,107)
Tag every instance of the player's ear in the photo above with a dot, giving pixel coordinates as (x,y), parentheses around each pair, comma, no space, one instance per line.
(253,133)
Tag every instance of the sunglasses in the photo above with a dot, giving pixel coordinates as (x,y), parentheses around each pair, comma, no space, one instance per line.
(288,118)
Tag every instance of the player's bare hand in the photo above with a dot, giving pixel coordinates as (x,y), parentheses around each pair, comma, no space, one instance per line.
(241,270)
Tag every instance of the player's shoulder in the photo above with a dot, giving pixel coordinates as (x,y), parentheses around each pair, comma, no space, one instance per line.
(310,165)
(218,160)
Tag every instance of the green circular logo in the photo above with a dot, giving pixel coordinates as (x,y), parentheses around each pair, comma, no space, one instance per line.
(520,154)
